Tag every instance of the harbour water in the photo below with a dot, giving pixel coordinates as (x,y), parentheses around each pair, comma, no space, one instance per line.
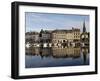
(36,57)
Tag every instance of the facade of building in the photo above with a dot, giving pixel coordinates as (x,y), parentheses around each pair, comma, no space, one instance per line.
(32,37)
(61,36)
(45,36)
(76,34)
(85,38)
(58,36)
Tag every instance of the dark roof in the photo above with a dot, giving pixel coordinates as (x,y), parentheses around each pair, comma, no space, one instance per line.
(85,33)
(66,31)
(31,33)
(45,31)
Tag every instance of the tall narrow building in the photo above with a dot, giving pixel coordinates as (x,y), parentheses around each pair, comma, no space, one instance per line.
(84,28)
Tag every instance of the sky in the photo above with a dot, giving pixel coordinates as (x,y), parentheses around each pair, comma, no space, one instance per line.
(50,21)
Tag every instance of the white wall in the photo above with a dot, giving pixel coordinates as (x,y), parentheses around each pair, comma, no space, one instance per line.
(5,40)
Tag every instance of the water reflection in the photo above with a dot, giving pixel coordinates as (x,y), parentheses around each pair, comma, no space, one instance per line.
(56,56)
(85,51)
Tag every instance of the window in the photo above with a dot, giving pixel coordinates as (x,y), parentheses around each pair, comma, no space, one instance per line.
(86,36)
(82,36)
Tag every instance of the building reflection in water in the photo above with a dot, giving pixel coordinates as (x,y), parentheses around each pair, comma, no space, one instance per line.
(60,53)
(85,51)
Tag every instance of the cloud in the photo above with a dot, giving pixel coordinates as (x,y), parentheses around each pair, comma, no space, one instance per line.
(38,21)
